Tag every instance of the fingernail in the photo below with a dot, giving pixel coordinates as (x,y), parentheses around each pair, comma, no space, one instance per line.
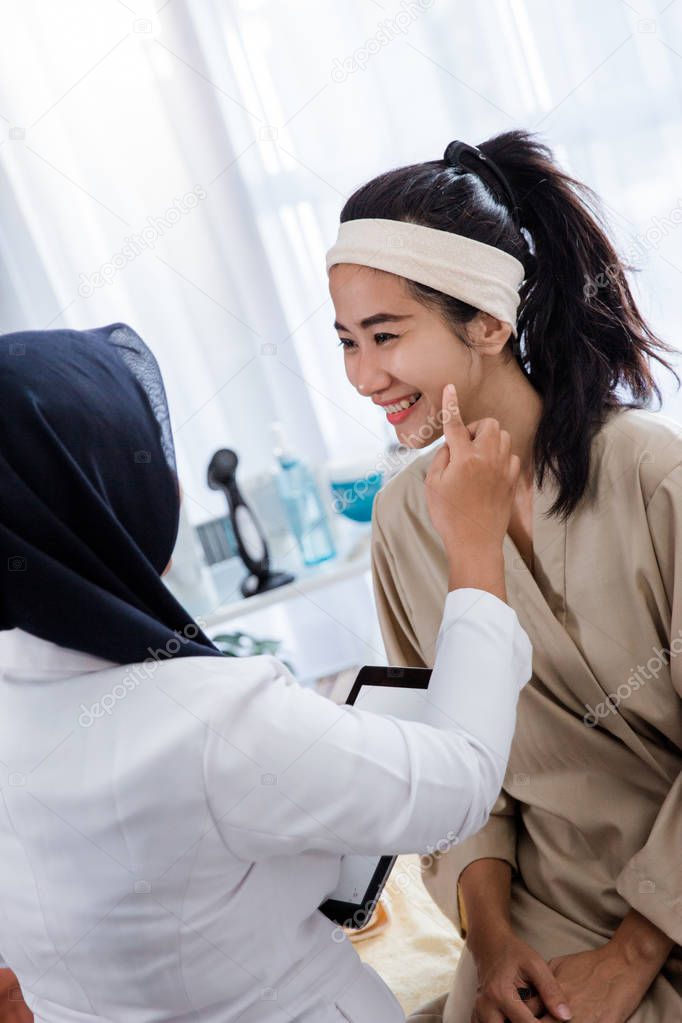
(564,1011)
(450,390)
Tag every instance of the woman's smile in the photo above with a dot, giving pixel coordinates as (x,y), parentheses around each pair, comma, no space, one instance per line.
(398,409)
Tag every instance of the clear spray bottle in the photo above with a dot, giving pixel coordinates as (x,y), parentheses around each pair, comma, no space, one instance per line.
(302,503)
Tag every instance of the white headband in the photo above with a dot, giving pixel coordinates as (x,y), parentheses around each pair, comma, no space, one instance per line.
(480,274)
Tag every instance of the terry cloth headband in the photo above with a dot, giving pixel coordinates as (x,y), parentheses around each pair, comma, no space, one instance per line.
(482,275)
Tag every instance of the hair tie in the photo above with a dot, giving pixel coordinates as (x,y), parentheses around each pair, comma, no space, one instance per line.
(453,156)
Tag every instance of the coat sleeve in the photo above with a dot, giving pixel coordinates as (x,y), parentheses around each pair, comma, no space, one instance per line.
(497,839)
(288,771)
(651,881)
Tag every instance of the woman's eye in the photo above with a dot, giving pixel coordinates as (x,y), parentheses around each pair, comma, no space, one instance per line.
(347,344)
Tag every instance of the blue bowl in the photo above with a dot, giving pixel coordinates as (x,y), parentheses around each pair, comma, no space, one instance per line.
(354,498)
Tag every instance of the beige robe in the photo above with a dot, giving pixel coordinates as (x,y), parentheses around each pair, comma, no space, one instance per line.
(590,816)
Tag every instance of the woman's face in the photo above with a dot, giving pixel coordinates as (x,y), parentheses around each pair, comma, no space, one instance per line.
(398,352)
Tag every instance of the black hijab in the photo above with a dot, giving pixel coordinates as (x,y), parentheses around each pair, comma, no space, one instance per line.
(89,498)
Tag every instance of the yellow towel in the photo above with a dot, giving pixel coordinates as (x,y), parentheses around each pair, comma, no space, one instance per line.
(417,951)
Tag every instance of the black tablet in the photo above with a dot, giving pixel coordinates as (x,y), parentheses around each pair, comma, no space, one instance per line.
(399,692)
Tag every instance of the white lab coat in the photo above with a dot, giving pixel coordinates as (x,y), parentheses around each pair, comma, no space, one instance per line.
(168,830)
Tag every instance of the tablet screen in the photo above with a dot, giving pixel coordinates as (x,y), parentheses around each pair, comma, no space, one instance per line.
(356,874)
(400,702)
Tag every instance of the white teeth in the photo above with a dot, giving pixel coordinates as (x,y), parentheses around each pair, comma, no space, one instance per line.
(400,406)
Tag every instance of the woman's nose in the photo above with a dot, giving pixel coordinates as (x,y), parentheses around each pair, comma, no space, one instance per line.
(370,377)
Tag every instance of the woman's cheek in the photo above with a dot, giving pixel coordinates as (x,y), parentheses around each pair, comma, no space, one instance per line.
(403,365)
(431,426)
(423,428)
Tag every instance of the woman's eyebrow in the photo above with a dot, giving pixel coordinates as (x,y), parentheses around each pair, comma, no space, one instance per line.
(371,321)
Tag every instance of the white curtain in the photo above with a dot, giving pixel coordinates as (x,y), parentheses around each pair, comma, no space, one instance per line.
(181,166)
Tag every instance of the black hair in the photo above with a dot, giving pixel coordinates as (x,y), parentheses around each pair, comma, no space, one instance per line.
(581,339)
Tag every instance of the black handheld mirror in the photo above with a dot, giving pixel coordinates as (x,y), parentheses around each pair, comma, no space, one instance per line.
(251,543)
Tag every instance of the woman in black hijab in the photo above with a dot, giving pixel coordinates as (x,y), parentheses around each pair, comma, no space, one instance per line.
(89,497)
(167,835)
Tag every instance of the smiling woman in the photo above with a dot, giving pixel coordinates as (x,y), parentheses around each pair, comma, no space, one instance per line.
(488,268)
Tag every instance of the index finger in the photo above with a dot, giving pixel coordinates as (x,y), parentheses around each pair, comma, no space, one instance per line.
(454,430)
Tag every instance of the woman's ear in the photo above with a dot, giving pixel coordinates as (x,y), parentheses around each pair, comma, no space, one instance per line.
(489,334)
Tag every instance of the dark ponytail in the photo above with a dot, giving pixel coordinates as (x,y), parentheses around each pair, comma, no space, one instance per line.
(581,337)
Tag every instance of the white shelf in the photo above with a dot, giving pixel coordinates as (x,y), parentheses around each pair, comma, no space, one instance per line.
(313,580)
